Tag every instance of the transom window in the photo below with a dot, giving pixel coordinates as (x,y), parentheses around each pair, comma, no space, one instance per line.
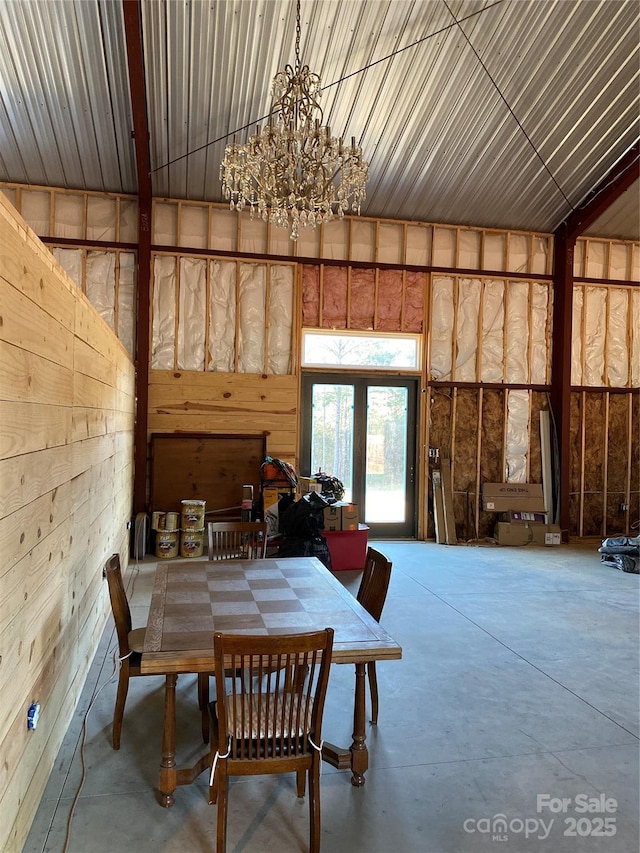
(374,351)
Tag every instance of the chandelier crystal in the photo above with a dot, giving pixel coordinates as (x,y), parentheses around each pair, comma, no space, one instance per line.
(292,172)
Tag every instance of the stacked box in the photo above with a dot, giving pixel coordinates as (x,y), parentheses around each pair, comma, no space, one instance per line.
(522,497)
(333,517)
(350,517)
(524,533)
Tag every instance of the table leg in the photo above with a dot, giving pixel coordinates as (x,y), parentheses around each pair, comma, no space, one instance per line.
(168,777)
(356,758)
(359,752)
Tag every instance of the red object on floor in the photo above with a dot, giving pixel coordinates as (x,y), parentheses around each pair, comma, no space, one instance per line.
(348,548)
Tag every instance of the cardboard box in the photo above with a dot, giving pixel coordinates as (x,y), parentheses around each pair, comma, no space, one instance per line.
(333,517)
(546,534)
(512,534)
(308,484)
(525,533)
(350,517)
(502,497)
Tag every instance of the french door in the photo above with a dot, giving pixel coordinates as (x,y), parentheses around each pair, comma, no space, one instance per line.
(363,431)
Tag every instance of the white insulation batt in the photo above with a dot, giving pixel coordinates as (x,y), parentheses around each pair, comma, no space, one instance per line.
(517,333)
(192,314)
(540,334)
(164,313)
(280,320)
(222,316)
(635,343)
(100,283)
(127,301)
(251,328)
(518,404)
(442,317)
(467,338)
(71,262)
(493,331)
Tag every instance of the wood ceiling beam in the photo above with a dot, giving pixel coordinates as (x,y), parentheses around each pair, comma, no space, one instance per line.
(620,178)
(135,56)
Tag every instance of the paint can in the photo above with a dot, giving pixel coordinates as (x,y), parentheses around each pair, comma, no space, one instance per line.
(158,520)
(167,544)
(171,521)
(192,543)
(193,515)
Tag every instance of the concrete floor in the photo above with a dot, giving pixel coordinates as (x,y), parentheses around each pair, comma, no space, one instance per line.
(517,697)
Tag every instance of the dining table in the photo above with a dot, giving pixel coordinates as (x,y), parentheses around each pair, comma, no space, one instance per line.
(193,598)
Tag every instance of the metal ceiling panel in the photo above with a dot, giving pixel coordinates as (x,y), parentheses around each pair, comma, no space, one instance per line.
(621,218)
(64,96)
(502,113)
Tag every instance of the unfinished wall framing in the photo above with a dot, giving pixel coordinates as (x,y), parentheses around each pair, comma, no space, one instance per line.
(605,375)
(197,225)
(74,214)
(108,278)
(606,260)
(66,467)
(482,298)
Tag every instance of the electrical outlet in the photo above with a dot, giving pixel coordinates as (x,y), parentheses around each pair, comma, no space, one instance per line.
(33,714)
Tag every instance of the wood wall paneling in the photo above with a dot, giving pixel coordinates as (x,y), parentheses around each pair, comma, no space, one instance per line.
(222,403)
(67,415)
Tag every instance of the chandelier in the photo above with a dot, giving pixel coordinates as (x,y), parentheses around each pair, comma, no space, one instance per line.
(292,172)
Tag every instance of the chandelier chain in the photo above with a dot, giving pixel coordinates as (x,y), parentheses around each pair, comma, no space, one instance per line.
(297,36)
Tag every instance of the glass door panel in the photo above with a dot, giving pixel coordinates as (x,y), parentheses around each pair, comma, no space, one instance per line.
(332,409)
(386,461)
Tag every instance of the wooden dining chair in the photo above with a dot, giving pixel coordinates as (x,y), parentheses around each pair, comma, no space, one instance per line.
(233,540)
(267,717)
(230,540)
(130,642)
(130,646)
(372,593)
